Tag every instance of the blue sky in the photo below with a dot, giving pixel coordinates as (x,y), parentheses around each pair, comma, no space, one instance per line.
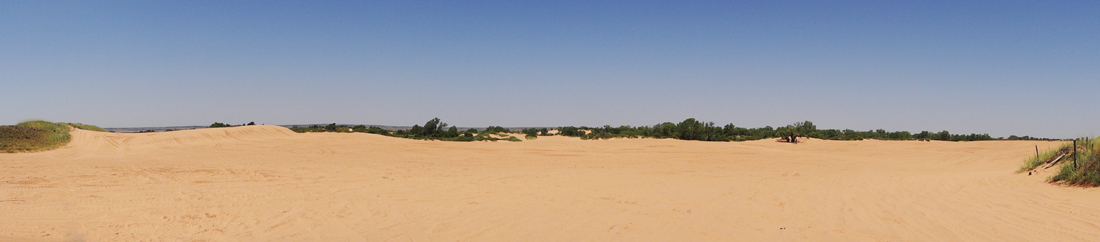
(1024,68)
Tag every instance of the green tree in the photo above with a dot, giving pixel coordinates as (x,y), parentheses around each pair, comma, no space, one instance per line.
(944,135)
(531,132)
(690,129)
(792,132)
(452,132)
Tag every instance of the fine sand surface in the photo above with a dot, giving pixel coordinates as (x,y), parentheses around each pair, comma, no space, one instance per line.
(266,183)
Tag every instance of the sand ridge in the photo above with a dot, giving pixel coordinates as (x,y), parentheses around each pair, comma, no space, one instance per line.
(265,183)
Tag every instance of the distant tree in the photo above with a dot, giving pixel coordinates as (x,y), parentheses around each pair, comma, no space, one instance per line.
(923,135)
(377,130)
(220,125)
(570,131)
(452,132)
(690,129)
(805,128)
(359,128)
(944,135)
(496,129)
(251,123)
(433,128)
(531,132)
(792,132)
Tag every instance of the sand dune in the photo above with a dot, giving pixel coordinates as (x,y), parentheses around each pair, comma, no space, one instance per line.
(266,183)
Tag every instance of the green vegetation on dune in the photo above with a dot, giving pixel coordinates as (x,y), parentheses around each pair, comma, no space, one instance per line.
(1082,166)
(38,135)
(1079,165)
(31,136)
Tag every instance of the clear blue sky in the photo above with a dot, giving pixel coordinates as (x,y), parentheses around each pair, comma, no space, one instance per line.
(997,67)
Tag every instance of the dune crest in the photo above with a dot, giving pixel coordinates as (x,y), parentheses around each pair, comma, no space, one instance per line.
(91,141)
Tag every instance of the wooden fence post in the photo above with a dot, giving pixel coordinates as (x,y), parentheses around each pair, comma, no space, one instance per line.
(1075,154)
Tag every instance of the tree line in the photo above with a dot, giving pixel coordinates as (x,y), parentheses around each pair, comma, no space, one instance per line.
(434,129)
(689,129)
(221,125)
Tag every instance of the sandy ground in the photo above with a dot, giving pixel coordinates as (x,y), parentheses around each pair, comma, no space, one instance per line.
(266,183)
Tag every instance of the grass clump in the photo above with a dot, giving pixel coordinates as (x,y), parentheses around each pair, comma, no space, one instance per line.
(31,136)
(1086,170)
(1047,156)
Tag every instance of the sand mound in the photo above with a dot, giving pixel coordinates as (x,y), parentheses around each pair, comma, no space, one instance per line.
(265,183)
(90,141)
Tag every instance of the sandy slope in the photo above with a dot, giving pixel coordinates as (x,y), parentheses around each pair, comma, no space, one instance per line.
(265,183)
